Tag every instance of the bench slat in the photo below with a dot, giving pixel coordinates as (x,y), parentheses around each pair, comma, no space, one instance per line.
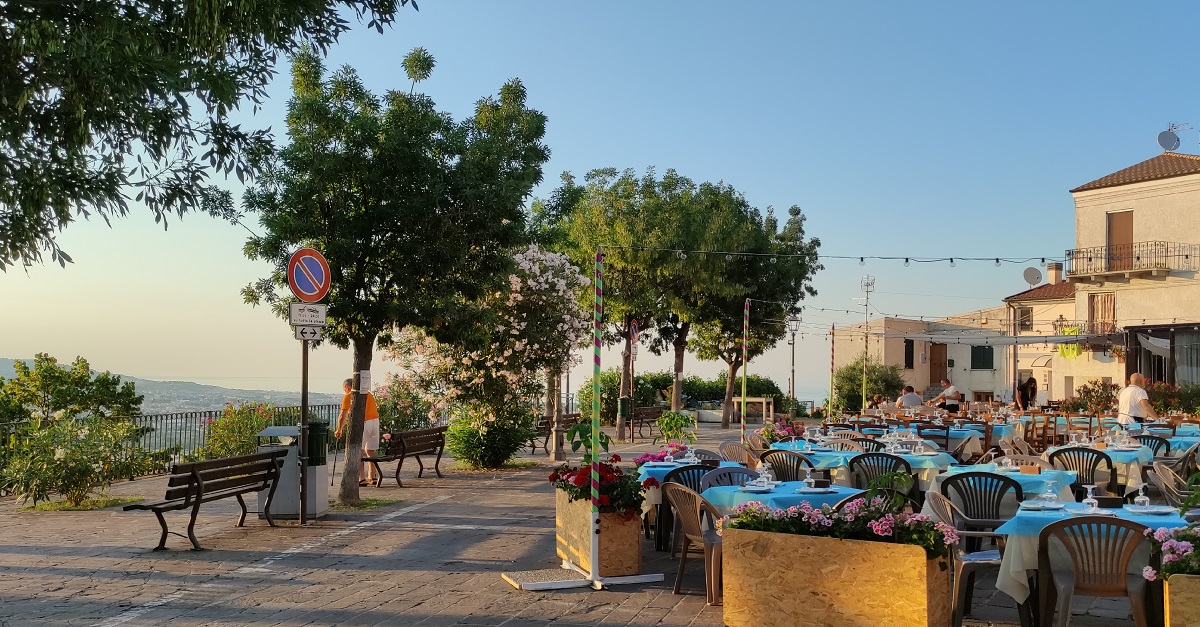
(185,468)
(220,473)
(255,479)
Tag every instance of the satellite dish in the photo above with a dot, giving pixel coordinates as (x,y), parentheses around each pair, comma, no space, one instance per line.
(1033,276)
(1168,140)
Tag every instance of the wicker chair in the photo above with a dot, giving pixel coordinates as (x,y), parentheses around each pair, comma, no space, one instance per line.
(788,465)
(733,451)
(726,476)
(689,476)
(1100,549)
(692,508)
(963,564)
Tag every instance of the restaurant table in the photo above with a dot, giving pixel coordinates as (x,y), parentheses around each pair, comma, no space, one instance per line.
(1021,549)
(926,467)
(1128,464)
(1185,437)
(1031,485)
(957,436)
(653,496)
(726,498)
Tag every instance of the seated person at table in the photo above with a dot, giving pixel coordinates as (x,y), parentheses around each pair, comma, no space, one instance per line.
(876,402)
(949,398)
(909,399)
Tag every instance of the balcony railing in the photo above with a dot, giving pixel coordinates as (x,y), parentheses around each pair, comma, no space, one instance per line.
(1136,258)
(1084,327)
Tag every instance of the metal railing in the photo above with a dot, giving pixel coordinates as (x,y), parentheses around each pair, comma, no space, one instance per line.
(1085,327)
(1135,257)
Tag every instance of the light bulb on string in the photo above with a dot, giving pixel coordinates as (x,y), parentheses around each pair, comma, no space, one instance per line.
(906,262)
(952,262)
(682,255)
(1043,262)
(997,262)
(862,261)
(772,260)
(728,257)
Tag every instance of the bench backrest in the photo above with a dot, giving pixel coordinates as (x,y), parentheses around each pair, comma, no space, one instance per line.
(190,480)
(422,441)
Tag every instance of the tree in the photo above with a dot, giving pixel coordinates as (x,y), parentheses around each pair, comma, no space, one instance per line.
(49,388)
(887,380)
(415,212)
(90,86)
(776,276)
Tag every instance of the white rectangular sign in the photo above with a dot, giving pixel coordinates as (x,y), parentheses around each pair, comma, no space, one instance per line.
(307,314)
(364,381)
(308,333)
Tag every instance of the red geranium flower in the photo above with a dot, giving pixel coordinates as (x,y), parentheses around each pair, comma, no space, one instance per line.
(650,482)
(553,477)
(603,499)
(580,480)
(615,458)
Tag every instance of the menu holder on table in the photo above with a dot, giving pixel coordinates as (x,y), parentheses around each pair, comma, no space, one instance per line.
(1031,470)
(1100,446)
(820,483)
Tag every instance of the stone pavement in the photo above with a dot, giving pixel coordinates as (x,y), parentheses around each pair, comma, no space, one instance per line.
(433,559)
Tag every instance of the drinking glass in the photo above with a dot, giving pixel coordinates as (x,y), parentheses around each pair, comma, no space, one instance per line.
(1141,500)
(1090,502)
(808,480)
(1051,495)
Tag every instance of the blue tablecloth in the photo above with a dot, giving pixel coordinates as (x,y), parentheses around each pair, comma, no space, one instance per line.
(1031,523)
(660,472)
(834,459)
(1030,484)
(999,430)
(725,498)
(1141,456)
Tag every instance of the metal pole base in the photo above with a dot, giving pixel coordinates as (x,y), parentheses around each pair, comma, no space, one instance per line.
(570,576)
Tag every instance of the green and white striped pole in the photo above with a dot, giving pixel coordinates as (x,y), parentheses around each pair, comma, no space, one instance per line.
(745,362)
(594,573)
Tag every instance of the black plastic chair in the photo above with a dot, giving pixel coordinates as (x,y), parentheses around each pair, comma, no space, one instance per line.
(787,464)
(869,445)
(979,496)
(1160,447)
(726,476)
(705,454)
(867,467)
(1088,464)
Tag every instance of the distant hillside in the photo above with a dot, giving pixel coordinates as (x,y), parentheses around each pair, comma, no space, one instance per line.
(175,396)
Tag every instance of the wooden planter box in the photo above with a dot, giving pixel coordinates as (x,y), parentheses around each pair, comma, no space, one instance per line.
(1181,601)
(620,539)
(782,580)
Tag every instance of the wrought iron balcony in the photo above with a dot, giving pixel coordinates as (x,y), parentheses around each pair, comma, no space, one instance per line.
(1130,260)
(1084,327)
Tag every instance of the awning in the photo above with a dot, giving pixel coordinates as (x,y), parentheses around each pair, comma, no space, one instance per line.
(1005,340)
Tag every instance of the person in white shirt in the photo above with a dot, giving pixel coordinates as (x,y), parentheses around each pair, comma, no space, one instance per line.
(949,398)
(909,399)
(1133,404)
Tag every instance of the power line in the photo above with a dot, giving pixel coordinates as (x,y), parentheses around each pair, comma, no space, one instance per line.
(729,255)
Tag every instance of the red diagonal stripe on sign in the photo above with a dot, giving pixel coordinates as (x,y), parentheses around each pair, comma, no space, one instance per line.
(311,278)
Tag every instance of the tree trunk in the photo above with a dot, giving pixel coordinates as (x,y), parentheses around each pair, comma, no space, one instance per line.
(626,379)
(348,492)
(730,385)
(680,350)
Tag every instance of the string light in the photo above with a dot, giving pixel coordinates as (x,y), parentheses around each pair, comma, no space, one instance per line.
(862,259)
(906,262)
(952,262)
(997,262)
(682,255)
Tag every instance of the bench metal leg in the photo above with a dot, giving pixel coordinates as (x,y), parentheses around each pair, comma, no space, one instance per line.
(437,463)
(241,519)
(267,505)
(420,466)
(399,463)
(192,527)
(378,474)
(162,542)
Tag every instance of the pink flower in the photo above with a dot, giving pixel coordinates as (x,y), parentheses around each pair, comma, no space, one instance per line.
(387,436)
(1149,573)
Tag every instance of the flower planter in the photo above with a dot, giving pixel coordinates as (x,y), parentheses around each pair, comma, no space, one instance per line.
(1181,601)
(782,579)
(620,539)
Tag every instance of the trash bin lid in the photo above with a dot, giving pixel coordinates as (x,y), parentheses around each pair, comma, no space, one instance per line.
(280,431)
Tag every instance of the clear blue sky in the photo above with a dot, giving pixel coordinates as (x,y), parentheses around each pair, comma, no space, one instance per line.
(930,129)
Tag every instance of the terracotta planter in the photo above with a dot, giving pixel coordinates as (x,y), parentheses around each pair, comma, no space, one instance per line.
(620,539)
(782,580)
(1181,601)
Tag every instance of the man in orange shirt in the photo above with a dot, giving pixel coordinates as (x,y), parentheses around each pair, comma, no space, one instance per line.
(370,438)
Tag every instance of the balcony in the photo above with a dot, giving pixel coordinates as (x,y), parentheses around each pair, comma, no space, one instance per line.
(1127,261)
(1084,327)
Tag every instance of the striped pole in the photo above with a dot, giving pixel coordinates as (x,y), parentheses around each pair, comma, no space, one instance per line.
(745,363)
(832,335)
(594,569)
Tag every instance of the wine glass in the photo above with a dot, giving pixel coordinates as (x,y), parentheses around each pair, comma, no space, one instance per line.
(1051,495)
(1141,500)
(1090,502)
(808,479)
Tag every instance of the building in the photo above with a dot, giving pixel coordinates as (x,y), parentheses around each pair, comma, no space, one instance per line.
(955,347)
(1134,265)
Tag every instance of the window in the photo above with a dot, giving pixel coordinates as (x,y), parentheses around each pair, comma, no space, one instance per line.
(982,358)
(1025,318)
(908,354)
(984,397)
(1101,313)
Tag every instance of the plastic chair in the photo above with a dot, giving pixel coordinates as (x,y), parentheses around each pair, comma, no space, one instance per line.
(756,443)
(1172,486)
(844,434)
(845,445)
(787,464)
(734,452)
(938,435)
(703,453)
(1087,464)
(689,476)
(1159,446)
(963,564)
(869,445)
(1025,460)
(1100,549)
(726,476)
(692,508)
(867,467)
(981,495)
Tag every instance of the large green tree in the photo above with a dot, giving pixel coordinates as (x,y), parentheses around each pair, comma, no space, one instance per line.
(415,212)
(105,97)
(49,387)
(776,276)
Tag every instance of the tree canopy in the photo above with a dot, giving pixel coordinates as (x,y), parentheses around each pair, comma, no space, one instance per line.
(49,387)
(416,213)
(108,96)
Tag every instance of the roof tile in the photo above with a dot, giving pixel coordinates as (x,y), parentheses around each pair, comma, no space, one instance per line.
(1062,289)
(1164,166)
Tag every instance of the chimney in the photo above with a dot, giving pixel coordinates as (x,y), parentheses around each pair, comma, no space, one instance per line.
(1054,269)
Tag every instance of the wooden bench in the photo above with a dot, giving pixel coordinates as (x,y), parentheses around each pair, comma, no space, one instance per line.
(192,484)
(410,444)
(544,428)
(644,418)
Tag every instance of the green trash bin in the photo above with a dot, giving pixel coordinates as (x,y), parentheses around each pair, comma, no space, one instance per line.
(625,407)
(318,443)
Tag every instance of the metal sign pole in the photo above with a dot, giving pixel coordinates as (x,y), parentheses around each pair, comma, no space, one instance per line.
(303,432)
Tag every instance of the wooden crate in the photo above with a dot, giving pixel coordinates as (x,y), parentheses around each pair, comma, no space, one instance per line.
(782,580)
(620,539)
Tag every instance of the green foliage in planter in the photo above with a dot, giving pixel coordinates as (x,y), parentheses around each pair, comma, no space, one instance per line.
(235,432)
(75,457)
(489,441)
(580,436)
(1097,396)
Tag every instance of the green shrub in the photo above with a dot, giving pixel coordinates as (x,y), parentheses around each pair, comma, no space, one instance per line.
(887,380)
(235,432)
(700,389)
(481,443)
(401,406)
(610,385)
(75,457)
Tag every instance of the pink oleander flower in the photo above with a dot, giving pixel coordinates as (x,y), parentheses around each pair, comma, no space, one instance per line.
(1149,573)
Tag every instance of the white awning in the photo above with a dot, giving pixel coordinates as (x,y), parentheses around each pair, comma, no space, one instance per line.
(996,340)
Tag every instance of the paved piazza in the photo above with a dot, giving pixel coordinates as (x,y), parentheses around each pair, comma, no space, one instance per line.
(434,558)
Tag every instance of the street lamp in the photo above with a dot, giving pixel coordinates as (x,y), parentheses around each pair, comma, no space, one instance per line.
(793,325)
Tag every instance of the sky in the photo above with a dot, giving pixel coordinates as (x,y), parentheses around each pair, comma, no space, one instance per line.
(931,129)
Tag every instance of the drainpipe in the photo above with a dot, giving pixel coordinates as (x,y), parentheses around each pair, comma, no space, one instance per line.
(1012,313)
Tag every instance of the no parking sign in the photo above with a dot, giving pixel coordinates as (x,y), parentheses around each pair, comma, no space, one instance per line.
(308,275)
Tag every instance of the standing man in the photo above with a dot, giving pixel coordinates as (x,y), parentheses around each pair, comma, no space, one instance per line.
(949,398)
(1133,404)
(370,438)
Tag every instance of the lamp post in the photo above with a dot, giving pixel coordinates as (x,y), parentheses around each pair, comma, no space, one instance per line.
(868,285)
(793,325)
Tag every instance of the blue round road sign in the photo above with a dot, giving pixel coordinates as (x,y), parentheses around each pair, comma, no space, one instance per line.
(308,275)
